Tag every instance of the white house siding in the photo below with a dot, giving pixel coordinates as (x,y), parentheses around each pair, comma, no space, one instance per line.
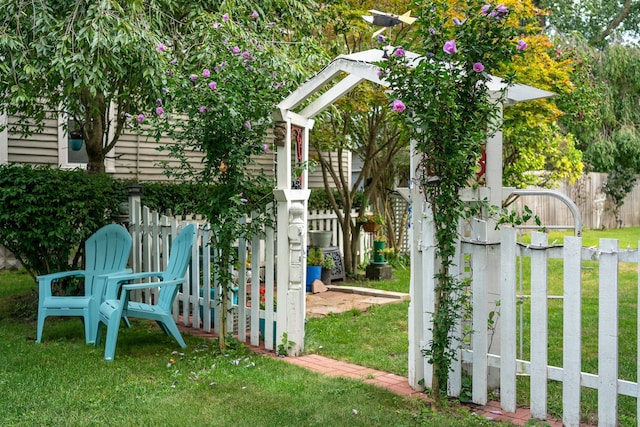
(39,148)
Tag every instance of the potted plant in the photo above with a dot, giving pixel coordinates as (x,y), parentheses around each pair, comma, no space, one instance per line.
(370,222)
(327,266)
(75,139)
(379,243)
(315,258)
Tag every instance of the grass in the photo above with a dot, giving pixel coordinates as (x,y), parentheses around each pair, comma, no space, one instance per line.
(154,382)
(378,338)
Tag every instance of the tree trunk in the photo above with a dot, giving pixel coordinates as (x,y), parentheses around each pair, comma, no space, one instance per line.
(94,130)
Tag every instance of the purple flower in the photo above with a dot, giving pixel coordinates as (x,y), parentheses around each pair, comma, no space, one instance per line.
(381,38)
(450,47)
(272,24)
(159,111)
(399,51)
(206,73)
(260,47)
(522,45)
(255,15)
(202,109)
(127,115)
(235,49)
(246,55)
(159,102)
(278,85)
(456,21)
(398,106)
(140,118)
(478,67)
(243,200)
(485,9)
(432,31)
(225,17)
(265,148)
(193,77)
(247,124)
(499,12)
(165,90)
(170,73)
(213,85)
(161,47)
(174,61)
(216,25)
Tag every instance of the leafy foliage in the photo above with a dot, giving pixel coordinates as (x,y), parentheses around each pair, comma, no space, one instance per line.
(47,214)
(459,41)
(223,80)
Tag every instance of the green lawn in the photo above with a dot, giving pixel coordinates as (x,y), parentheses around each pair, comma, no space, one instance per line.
(154,382)
(378,338)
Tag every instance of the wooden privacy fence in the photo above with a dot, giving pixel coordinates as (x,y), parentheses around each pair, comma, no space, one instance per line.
(474,256)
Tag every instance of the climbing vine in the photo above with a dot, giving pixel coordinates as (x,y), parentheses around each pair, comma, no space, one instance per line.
(444,101)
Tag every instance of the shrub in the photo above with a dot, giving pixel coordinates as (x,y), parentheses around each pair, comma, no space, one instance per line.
(46,214)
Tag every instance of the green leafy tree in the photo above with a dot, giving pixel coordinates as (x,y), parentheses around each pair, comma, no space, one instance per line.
(222,84)
(599,22)
(459,41)
(85,59)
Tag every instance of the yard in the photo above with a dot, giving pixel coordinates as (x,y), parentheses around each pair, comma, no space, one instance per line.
(64,382)
(153,382)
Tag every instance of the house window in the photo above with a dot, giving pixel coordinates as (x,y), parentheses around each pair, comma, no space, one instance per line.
(72,148)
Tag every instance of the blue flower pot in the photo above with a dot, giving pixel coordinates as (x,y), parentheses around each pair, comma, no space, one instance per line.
(314,272)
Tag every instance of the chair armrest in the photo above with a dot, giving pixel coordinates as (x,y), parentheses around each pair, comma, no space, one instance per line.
(45,280)
(134,286)
(55,276)
(114,281)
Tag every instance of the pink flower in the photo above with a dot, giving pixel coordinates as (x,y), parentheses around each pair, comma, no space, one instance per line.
(206,73)
(225,17)
(450,47)
(247,124)
(255,15)
(216,25)
(159,111)
(399,51)
(235,49)
(161,47)
(193,77)
(522,45)
(398,106)
(246,55)
(265,148)
(213,85)
(140,118)
(202,109)
(478,67)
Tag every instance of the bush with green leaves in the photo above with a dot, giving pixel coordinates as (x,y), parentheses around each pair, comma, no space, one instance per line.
(46,214)
(444,102)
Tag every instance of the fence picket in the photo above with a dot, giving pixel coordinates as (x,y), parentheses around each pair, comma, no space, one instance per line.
(539,333)
(508,319)
(572,332)
(479,339)
(608,334)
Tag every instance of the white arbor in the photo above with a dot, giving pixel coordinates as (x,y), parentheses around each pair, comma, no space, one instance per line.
(294,118)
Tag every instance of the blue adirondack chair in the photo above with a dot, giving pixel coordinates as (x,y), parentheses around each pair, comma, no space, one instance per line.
(117,305)
(106,251)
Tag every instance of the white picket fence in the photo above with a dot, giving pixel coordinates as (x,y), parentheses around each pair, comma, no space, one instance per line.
(197,304)
(474,255)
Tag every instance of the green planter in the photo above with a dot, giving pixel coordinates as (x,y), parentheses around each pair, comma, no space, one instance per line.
(378,253)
